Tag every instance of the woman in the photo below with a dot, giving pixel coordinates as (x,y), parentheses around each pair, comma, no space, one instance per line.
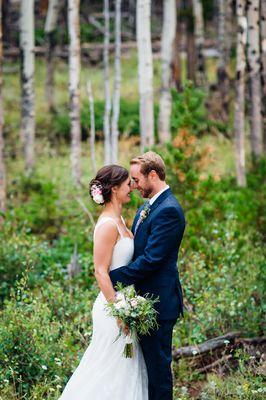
(104,373)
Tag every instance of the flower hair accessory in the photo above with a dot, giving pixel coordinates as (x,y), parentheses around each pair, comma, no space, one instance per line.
(97,193)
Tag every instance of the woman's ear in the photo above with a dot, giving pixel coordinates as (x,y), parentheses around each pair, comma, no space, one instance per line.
(114,189)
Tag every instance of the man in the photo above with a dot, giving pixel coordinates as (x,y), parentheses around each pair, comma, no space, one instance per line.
(158,230)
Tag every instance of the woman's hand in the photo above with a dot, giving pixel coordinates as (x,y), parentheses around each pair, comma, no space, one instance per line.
(121,325)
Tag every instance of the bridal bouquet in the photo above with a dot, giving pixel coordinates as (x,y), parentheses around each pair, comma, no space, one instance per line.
(136,312)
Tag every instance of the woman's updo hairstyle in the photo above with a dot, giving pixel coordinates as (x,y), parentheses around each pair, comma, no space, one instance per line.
(106,178)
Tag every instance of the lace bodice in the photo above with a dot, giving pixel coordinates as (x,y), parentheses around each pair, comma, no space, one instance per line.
(124,247)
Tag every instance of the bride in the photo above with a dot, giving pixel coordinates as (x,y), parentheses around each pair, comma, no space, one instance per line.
(104,373)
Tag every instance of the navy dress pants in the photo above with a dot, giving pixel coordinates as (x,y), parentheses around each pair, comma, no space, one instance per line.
(157,352)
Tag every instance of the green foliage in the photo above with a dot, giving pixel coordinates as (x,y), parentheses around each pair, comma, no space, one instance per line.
(246,383)
(39,212)
(223,257)
(45,324)
(128,124)
(128,119)
(189,111)
(37,341)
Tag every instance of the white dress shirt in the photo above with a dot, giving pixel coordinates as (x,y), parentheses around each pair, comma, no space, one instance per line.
(152,200)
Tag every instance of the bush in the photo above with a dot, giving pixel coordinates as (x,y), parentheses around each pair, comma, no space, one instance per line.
(128,120)
(42,336)
(189,111)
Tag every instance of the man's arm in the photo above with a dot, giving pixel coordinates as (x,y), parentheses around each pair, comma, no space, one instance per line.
(167,232)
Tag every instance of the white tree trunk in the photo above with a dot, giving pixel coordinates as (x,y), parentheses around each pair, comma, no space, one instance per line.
(54,8)
(199,41)
(254,75)
(222,34)
(176,65)
(229,28)
(132,15)
(239,123)
(167,53)
(145,72)
(74,87)
(27,81)
(50,29)
(263,65)
(107,110)
(2,162)
(92,125)
(117,82)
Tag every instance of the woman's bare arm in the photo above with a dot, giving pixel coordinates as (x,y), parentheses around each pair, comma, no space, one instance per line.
(104,243)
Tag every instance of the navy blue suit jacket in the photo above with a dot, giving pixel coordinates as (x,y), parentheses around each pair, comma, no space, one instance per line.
(154,269)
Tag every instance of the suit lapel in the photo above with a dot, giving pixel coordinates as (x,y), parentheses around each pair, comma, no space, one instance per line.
(157,202)
(136,218)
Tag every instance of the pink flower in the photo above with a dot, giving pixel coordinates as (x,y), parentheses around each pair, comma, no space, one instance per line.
(134,303)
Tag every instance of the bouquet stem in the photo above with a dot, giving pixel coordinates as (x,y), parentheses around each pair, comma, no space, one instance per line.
(128,350)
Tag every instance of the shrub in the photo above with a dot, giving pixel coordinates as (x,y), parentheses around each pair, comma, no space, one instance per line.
(42,336)
(189,111)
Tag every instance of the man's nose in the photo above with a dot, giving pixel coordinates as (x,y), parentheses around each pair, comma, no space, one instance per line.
(133,185)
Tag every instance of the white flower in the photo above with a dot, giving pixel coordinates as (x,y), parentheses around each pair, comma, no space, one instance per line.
(120,296)
(98,198)
(141,298)
(184,390)
(194,352)
(120,304)
(44,367)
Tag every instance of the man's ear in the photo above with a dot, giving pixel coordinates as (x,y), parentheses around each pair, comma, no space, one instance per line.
(153,174)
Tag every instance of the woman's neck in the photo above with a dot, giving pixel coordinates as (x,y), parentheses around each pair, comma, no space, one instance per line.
(113,208)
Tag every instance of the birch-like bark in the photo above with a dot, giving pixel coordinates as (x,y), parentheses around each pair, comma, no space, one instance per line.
(191,51)
(223,60)
(239,122)
(263,66)
(132,15)
(167,52)
(145,73)
(229,28)
(199,41)
(92,126)
(253,9)
(2,161)
(27,82)
(117,82)
(107,110)
(74,87)
(221,38)
(176,66)
(54,8)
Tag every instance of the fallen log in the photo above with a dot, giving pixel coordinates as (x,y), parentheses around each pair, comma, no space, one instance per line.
(215,364)
(209,345)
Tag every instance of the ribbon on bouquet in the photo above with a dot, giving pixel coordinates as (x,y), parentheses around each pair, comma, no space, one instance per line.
(128,350)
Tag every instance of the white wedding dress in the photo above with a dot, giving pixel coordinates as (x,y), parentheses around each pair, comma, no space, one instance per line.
(104,373)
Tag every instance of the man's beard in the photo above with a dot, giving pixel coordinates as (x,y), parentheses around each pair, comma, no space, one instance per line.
(146,192)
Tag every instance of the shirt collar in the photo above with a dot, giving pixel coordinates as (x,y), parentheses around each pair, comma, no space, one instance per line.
(155,197)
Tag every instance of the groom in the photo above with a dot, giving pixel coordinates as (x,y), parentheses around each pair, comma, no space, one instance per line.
(158,230)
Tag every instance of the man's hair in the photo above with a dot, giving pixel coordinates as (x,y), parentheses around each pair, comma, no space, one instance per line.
(148,162)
